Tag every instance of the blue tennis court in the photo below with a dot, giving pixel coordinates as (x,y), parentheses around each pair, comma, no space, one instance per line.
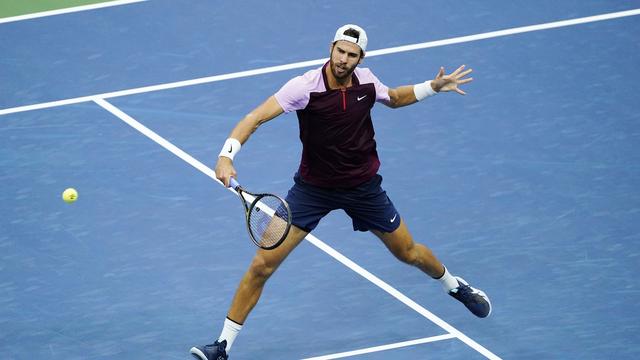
(528,187)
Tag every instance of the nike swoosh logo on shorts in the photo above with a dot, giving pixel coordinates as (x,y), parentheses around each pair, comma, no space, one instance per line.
(360,98)
(393,218)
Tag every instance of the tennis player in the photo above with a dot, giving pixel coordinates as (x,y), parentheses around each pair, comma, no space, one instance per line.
(338,170)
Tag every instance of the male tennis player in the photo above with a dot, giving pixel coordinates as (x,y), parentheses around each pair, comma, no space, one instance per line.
(338,170)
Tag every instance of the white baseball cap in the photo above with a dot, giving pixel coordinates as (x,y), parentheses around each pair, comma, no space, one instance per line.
(360,41)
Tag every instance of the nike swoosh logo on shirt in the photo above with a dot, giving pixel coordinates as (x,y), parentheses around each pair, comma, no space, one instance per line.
(361,97)
(393,218)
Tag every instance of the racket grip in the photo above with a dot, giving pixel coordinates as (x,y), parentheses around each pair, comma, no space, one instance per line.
(233,183)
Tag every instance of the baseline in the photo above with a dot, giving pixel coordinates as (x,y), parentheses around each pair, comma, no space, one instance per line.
(303,64)
(68,10)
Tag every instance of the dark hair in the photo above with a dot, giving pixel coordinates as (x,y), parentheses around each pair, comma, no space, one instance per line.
(353,33)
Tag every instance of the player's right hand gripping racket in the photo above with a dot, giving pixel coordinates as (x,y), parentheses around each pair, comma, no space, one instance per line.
(268,217)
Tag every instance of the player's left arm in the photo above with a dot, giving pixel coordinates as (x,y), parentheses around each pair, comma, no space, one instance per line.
(410,94)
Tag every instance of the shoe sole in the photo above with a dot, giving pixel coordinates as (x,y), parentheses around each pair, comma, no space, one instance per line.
(479,292)
(197,353)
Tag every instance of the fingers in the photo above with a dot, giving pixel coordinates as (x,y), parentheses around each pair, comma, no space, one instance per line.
(451,81)
(225,180)
(455,73)
(228,179)
(225,171)
(464,73)
(457,77)
(458,73)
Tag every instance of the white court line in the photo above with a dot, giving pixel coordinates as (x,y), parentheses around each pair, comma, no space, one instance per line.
(383,347)
(303,64)
(400,296)
(311,238)
(157,138)
(68,10)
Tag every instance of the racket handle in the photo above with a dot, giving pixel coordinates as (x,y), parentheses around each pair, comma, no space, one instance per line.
(233,183)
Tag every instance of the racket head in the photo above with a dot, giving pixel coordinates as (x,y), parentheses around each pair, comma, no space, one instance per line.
(268,221)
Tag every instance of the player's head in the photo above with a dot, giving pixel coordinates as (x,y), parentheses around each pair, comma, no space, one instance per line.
(347,50)
(354,34)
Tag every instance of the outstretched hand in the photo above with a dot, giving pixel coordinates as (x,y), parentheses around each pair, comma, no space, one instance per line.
(450,82)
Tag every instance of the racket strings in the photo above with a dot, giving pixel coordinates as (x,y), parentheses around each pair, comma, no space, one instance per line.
(268,221)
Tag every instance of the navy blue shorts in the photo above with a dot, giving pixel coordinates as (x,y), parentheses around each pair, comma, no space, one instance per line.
(367,204)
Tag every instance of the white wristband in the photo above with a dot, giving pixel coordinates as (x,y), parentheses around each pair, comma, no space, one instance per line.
(230,148)
(423,90)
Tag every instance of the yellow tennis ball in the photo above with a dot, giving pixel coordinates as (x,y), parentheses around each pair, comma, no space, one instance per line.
(70,195)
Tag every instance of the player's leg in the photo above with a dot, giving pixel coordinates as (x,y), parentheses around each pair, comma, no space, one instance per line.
(308,205)
(372,210)
(307,208)
(401,244)
(263,265)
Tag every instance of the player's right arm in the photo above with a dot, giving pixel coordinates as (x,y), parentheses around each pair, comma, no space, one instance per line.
(241,132)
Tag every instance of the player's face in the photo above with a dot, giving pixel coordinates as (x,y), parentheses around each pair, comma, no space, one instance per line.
(345,56)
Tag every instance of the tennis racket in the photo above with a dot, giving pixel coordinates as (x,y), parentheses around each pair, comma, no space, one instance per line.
(268,217)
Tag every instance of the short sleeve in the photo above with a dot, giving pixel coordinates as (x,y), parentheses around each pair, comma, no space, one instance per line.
(294,95)
(382,91)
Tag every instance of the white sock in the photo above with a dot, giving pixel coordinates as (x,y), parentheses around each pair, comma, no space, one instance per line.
(230,331)
(448,281)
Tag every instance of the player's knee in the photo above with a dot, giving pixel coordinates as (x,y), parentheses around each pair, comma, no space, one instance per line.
(261,269)
(407,254)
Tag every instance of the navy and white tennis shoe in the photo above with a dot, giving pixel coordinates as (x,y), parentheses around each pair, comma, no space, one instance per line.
(215,351)
(475,300)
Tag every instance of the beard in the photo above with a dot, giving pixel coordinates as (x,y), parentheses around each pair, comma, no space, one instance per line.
(341,77)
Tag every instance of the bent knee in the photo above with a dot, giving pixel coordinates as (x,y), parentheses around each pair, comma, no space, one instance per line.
(406,254)
(261,268)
